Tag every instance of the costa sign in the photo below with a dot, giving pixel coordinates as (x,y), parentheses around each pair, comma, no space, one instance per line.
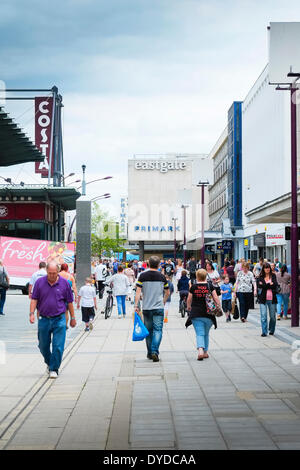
(43,124)
(162,165)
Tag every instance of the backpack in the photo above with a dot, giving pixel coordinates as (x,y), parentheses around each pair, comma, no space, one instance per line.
(3,280)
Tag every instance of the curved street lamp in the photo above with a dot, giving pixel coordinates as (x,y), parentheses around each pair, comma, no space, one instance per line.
(94,181)
(103,196)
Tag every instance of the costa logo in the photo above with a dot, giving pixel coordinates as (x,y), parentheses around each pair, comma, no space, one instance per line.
(43,115)
(3,211)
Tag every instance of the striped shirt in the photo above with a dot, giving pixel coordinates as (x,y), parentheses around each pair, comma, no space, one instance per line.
(153,285)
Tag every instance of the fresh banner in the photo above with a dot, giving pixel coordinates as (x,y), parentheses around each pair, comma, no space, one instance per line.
(43,125)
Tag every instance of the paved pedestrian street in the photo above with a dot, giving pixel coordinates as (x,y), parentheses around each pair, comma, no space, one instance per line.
(110,396)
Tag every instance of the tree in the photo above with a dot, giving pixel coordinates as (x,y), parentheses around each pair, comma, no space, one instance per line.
(105,233)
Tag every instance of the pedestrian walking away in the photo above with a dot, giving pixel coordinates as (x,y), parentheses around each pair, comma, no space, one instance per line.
(267,287)
(50,295)
(199,317)
(226,290)
(101,274)
(183,287)
(168,302)
(120,284)
(192,265)
(88,299)
(155,289)
(284,281)
(4,285)
(245,288)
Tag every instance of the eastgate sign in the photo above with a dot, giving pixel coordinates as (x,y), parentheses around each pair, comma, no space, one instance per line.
(161,165)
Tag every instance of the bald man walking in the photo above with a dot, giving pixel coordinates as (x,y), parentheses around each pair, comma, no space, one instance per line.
(50,295)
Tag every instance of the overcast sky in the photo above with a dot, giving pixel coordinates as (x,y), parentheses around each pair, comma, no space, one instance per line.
(137,76)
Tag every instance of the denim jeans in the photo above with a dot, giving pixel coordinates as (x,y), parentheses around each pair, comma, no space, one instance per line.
(121,302)
(2,298)
(52,330)
(154,320)
(202,327)
(283,299)
(264,316)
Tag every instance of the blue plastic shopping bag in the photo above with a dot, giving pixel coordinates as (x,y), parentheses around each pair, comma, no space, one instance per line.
(139,330)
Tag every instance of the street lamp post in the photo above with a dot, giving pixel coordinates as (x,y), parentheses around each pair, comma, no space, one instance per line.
(184,235)
(93,181)
(174,221)
(202,184)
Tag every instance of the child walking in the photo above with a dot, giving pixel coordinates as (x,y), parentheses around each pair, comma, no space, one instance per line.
(226,290)
(167,304)
(88,298)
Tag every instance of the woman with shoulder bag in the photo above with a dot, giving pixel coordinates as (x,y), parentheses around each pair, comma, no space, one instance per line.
(4,285)
(245,288)
(268,286)
(284,281)
(199,317)
(213,276)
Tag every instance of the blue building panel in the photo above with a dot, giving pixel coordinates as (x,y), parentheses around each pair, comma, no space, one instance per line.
(235,164)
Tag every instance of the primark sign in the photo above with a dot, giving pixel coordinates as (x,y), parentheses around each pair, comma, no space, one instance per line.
(161,165)
(155,228)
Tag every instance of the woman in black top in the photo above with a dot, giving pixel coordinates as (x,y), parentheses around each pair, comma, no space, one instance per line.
(201,320)
(267,286)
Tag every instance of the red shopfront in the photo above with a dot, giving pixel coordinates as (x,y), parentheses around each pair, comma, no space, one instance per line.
(27,219)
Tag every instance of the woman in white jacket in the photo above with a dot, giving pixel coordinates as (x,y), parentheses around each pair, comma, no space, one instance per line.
(120,284)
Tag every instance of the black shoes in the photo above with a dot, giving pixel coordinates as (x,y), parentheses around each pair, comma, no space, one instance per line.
(155,357)
(263,335)
(149,356)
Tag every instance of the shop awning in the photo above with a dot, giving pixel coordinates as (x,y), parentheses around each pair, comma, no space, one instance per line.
(276,211)
(15,146)
(33,192)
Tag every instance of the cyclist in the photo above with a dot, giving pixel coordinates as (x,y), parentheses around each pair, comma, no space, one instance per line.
(183,286)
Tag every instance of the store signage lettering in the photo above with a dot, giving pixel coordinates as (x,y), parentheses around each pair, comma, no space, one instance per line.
(144,228)
(43,118)
(162,166)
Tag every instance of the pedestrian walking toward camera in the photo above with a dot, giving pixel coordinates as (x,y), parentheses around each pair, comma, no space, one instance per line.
(4,285)
(36,275)
(192,267)
(50,295)
(213,276)
(226,290)
(155,289)
(129,272)
(245,288)
(120,284)
(183,287)
(267,286)
(168,302)
(169,269)
(199,317)
(284,281)
(88,299)
(71,280)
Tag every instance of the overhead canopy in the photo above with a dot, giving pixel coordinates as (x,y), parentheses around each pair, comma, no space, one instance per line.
(65,196)
(276,211)
(15,146)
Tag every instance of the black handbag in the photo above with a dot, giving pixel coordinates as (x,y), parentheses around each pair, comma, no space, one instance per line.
(3,281)
(236,314)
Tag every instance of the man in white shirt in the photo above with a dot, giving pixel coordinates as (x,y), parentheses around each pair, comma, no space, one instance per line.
(40,273)
(101,274)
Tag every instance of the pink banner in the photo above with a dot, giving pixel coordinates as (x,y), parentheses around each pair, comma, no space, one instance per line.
(43,122)
(21,256)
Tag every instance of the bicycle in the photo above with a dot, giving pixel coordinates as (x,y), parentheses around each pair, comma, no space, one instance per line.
(109,304)
(183,306)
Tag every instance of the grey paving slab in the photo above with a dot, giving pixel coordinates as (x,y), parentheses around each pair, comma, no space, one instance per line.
(109,396)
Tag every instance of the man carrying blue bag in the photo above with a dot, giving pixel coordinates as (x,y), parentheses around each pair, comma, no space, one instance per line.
(155,289)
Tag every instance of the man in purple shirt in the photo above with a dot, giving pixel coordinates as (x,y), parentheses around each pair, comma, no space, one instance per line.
(50,296)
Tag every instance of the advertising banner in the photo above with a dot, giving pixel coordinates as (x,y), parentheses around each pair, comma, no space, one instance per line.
(21,256)
(43,125)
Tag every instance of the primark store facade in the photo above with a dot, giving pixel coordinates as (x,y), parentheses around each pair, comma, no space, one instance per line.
(160,191)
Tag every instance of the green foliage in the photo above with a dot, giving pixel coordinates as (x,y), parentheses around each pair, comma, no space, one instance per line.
(105,231)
